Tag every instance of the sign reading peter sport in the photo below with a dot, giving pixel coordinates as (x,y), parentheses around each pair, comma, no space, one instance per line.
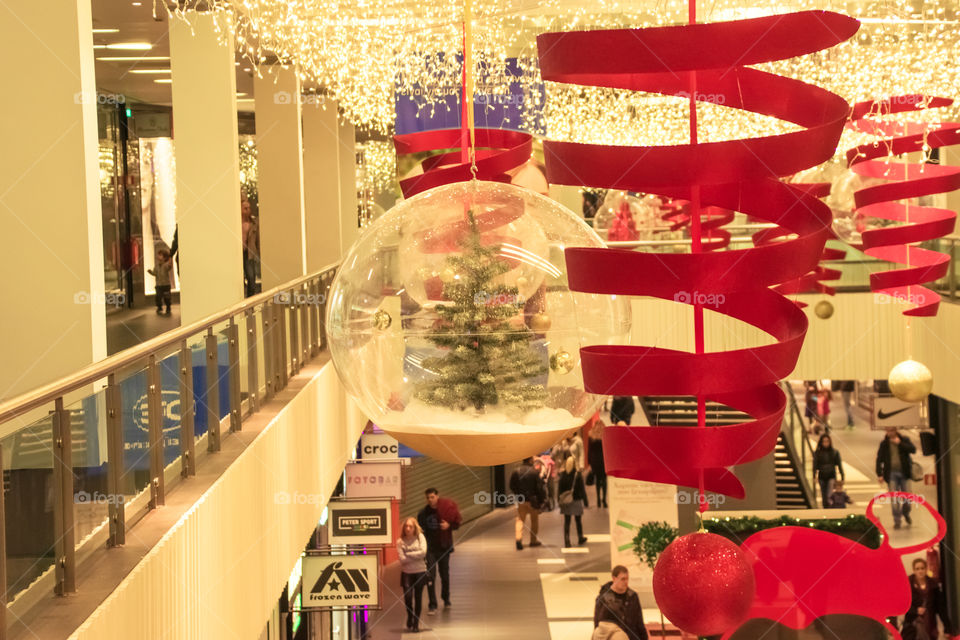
(341,581)
(353,522)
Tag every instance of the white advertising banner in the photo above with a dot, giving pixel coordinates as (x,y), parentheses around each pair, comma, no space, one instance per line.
(341,581)
(632,503)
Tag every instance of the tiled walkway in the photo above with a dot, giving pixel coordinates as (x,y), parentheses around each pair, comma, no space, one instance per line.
(499,593)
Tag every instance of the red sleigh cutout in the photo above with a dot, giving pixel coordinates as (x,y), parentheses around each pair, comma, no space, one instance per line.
(793,567)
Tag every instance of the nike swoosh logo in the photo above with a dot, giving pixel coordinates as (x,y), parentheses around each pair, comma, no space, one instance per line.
(883,416)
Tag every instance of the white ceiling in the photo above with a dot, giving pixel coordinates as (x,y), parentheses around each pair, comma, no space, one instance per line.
(136,24)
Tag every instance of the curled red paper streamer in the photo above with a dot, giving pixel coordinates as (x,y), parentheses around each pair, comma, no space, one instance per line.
(803,574)
(740,175)
(712,219)
(497,152)
(903,181)
(812,282)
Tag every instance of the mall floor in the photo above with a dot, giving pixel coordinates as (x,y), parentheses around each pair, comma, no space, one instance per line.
(499,593)
(127,328)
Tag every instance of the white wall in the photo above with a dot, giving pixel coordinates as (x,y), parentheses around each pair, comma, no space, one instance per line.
(219,571)
(53,319)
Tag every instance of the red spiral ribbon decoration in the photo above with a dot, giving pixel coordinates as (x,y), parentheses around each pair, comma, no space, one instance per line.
(497,152)
(812,282)
(741,175)
(903,181)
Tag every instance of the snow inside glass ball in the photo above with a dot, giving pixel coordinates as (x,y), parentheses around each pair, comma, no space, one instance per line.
(451,323)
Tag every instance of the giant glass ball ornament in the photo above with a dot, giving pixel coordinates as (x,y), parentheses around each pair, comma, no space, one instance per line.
(623,216)
(452,325)
(910,381)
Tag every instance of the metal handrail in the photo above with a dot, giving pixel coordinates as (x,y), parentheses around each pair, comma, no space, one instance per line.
(47,393)
(804,447)
(282,335)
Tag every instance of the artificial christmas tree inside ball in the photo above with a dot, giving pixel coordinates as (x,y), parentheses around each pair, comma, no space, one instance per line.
(704,584)
(473,278)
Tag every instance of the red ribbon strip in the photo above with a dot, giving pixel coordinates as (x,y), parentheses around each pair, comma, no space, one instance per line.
(498,151)
(904,181)
(739,175)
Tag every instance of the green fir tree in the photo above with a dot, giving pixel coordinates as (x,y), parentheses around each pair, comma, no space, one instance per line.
(487,361)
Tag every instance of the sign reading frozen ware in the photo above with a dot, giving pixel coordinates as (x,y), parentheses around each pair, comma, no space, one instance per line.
(374,479)
(359,522)
(341,581)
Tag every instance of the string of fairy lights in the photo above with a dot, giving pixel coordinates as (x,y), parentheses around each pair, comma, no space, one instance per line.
(364,53)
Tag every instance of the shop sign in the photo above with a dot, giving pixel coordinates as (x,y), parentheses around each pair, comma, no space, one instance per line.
(341,581)
(352,522)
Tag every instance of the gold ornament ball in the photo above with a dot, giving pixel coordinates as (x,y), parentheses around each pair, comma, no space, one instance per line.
(448,275)
(540,322)
(561,362)
(910,381)
(382,320)
(824,309)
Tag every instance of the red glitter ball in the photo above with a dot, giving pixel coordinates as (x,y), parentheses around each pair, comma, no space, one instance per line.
(703,584)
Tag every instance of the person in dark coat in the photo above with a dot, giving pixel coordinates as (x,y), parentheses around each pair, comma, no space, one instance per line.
(572,499)
(826,462)
(920,621)
(621,409)
(617,614)
(596,464)
(438,519)
(893,468)
(529,492)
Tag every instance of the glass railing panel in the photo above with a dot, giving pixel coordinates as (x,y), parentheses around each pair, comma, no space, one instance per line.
(28,503)
(135,425)
(91,495)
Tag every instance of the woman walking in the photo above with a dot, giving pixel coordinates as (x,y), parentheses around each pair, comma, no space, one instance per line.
(597,468)
(826,462)
(572,498)
(412,549)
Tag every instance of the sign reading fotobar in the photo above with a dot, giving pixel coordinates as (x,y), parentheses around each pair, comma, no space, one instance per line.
(341,581)
(352,522)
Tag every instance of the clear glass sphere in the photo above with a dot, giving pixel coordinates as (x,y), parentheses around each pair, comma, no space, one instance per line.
(624,216)
(452,324)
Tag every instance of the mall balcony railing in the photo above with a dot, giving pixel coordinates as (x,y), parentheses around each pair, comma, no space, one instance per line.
(79,468)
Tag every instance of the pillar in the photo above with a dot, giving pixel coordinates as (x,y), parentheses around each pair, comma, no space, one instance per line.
(53,319)
(277,103)
(349,220)
(208,165)
(321,184)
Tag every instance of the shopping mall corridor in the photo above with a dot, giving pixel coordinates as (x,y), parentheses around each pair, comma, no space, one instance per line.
(858,450)
(499,593)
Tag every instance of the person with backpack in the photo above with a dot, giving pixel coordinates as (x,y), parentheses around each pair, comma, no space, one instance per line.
(529,492)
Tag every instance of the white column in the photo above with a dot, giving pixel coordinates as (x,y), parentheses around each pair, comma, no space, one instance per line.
(208,165)
(349,229)
(321,183)
(279,175)
(53,319)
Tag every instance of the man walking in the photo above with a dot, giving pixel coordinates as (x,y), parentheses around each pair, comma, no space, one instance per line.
(438,519)
(617,614)
(893,468)
(529,492)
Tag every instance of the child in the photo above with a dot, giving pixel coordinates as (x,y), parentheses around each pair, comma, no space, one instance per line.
(164,275)
(838,498)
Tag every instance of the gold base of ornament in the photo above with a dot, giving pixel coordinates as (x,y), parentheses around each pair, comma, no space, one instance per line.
(480,450)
